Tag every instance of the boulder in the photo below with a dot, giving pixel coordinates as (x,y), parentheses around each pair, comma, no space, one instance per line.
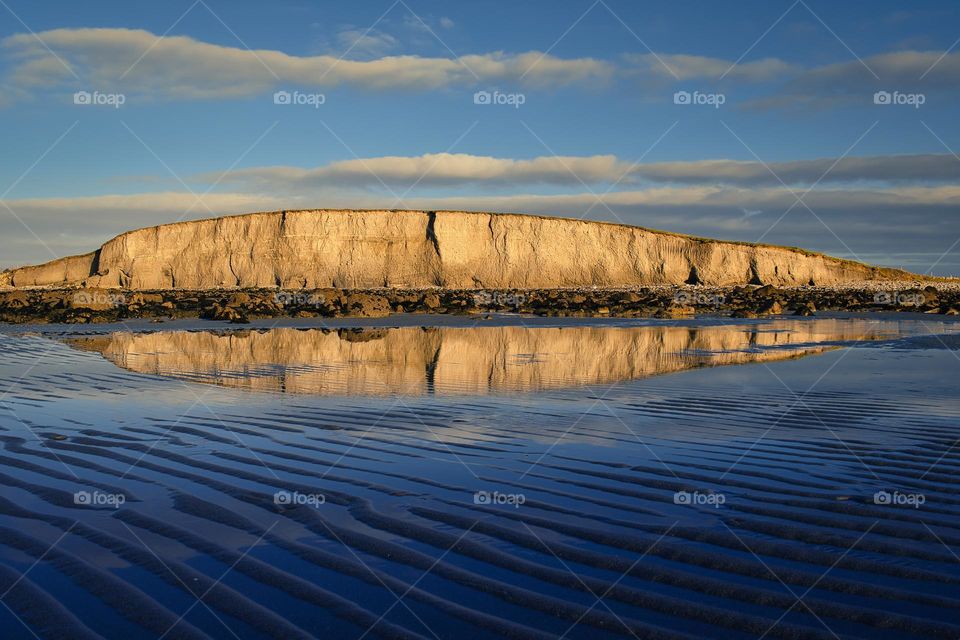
(94,299)
(770,308)
(367,305)
(806,309)
(14,299)
(431,301)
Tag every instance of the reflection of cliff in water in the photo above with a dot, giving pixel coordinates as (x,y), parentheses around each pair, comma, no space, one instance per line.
(447,360)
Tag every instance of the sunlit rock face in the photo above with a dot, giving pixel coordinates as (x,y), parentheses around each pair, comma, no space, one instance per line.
(442,360)
(417,249)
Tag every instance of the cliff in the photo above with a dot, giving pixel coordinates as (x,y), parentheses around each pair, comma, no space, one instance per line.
(418,249)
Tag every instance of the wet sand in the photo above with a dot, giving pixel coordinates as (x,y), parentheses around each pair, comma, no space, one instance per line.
(615,481)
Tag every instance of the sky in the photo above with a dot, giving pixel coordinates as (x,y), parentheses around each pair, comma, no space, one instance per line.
(830,126)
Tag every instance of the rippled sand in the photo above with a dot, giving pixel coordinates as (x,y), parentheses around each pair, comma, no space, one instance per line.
(579,482)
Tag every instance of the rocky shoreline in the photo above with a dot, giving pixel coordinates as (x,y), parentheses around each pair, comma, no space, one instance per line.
(82,306)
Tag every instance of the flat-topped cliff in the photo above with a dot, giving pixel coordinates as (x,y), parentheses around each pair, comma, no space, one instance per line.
(419,249)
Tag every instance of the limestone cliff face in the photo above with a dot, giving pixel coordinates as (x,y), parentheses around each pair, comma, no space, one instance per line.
(458,360)
(416,249)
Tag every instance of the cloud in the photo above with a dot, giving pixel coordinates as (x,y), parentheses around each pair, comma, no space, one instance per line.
(369,43)
(856,81)
(178,67)
(432,169)
(690,67)
(449,170)
(787,84)
(148,66)
(730,198)
(891,168)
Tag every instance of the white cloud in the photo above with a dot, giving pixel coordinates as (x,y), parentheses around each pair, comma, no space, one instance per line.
(690,67)
(370,43)
(854,81)
(732,198)
(454,169)
(890,168)
(179,67)
(432,169)
(148,66)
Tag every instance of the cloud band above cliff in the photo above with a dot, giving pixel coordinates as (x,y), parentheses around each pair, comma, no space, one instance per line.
(453,169)
(175,67)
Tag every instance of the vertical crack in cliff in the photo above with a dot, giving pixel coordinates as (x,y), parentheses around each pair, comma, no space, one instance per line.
(233,271)
(432,232)
(432,238)
(95,263)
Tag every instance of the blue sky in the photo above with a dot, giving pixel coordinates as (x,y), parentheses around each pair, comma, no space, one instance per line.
(798,152)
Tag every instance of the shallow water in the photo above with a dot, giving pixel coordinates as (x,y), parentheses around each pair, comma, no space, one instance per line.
(782,478)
